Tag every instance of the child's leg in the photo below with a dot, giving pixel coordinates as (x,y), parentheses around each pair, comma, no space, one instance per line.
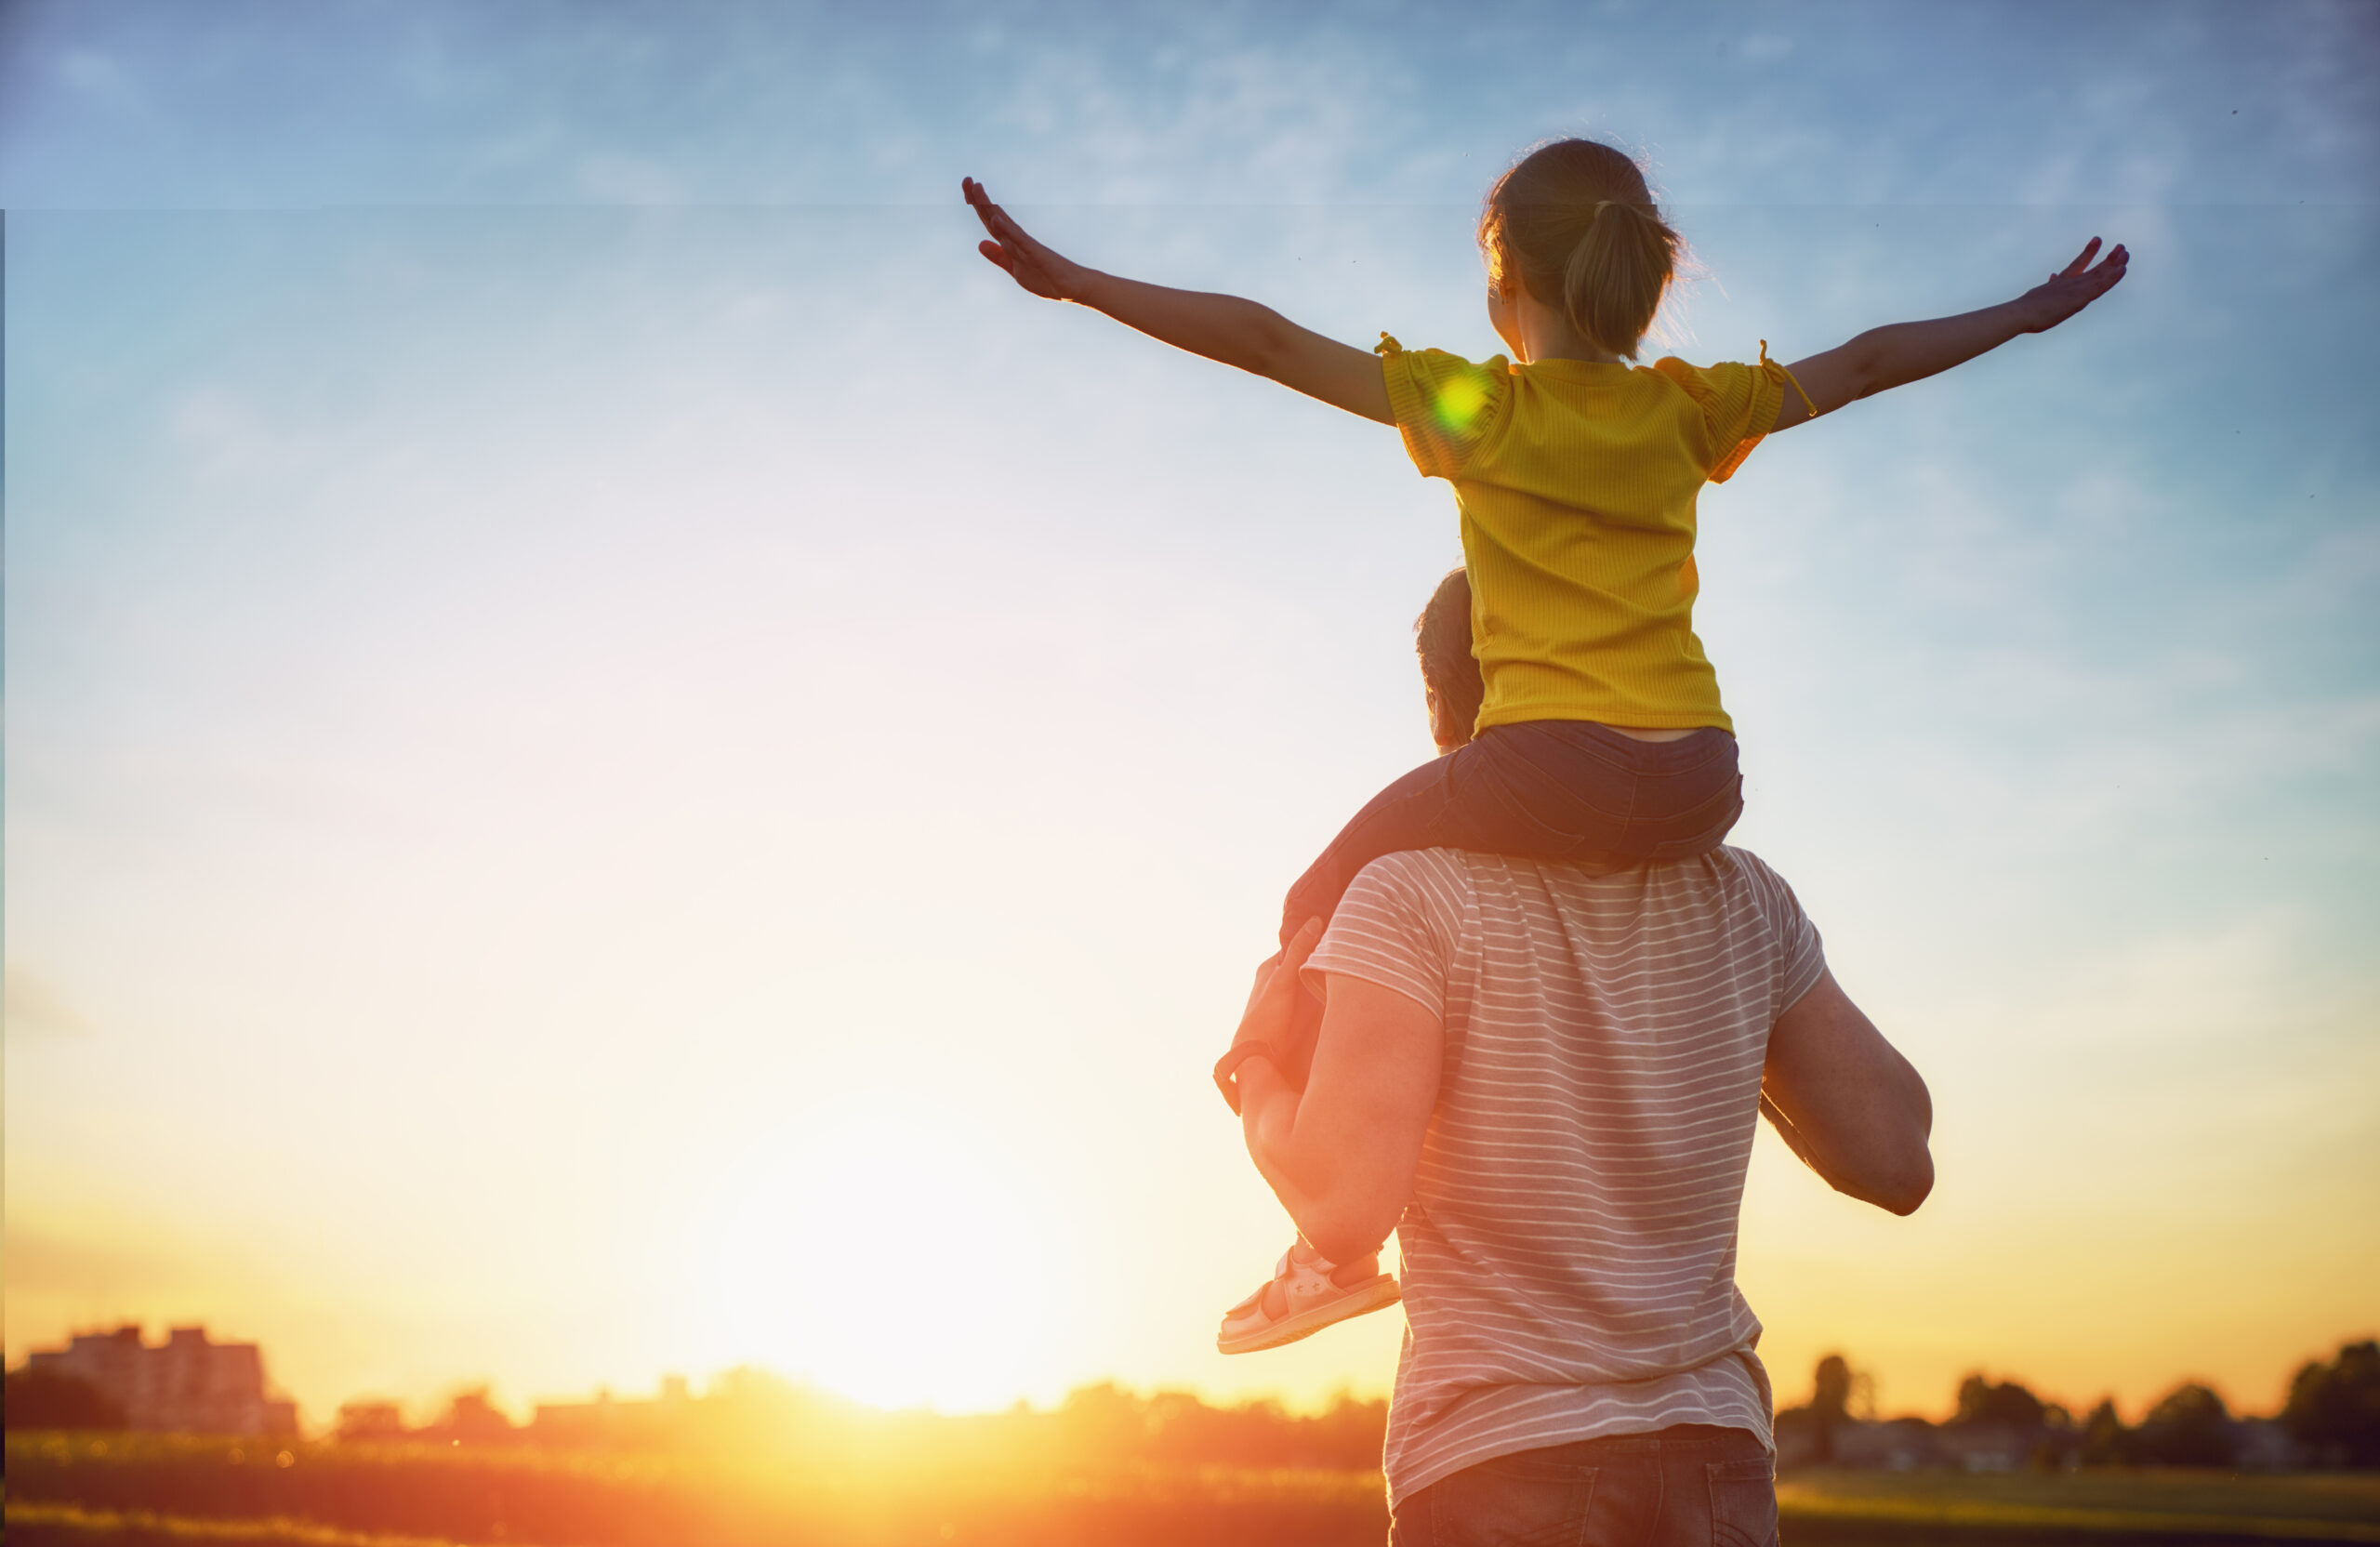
(1567,790)
(1425,808)
(1689,795)
(1555,789)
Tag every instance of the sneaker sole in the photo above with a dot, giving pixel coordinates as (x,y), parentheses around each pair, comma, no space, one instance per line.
(1364,1298)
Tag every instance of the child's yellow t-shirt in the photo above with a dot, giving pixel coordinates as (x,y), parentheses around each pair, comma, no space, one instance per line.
(1576,481)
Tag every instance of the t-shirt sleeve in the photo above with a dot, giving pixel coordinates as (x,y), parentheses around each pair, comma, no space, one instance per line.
(1397,927)
(1801,955)
(1738,404)
(1445,405)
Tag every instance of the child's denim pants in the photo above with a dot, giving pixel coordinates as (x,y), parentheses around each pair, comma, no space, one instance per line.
(1569,790)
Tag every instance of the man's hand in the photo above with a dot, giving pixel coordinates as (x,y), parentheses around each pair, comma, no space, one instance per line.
(1029,262)
(2073,287)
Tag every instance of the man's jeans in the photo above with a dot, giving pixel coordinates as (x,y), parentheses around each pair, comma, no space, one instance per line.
(1690,1485)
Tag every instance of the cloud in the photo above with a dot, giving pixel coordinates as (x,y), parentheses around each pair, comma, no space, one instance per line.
(1205,119)
(35,1007)
(94,74)
(610,177)
(228,437)
(2340,571)
(2205,985)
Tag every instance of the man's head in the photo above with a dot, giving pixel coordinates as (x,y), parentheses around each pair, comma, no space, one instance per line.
(1450,674)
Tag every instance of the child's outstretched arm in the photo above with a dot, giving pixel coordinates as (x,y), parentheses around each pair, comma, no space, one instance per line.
(1226,328)
(1894,356)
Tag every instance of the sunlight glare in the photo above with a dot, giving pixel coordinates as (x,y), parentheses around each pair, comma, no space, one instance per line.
(882,1259)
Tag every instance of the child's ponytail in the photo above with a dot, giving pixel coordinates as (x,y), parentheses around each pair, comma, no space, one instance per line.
(1575,224)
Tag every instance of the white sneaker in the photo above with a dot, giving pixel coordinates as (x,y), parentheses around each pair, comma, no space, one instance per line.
(1309,1299)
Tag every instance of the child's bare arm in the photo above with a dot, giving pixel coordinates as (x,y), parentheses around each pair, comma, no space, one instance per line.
(1226,328)
(1904,353)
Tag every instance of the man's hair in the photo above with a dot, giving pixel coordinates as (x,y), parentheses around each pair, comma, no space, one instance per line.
(1442,637)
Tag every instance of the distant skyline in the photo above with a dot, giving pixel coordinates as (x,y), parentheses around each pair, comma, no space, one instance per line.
(618,761)
(431,1408)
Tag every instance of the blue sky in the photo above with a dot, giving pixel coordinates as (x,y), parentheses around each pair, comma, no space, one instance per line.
(565,637)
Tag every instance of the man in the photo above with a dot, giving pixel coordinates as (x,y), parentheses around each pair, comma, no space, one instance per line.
(1547,1081)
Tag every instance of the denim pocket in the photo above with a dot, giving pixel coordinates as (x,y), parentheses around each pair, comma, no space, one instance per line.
(1513,1502)
(1743,1502)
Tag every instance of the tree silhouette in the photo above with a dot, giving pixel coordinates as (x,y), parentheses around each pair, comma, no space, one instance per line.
(2106,1442)
(2007,1403)
(367,1419)
(2334,1408)
(44,1399)
(1830,1405)
(474,1417)
(2188,1427)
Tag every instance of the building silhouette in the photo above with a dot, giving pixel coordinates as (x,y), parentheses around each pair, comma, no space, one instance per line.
(608,1420)
(185,1385)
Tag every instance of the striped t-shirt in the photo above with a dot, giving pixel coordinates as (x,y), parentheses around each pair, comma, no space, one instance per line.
(1570,1251)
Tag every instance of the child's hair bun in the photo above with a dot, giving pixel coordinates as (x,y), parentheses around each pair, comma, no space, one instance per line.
(1575,224)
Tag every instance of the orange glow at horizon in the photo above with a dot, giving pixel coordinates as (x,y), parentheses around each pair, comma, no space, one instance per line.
(883,1262)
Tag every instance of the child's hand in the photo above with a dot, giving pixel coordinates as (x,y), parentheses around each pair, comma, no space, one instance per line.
(2073,288)
(1264,1001)
(1029,262)
(1270,1027)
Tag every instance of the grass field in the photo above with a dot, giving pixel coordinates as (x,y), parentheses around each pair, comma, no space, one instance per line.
(2099,1508)
(122,1491)
(161,1491)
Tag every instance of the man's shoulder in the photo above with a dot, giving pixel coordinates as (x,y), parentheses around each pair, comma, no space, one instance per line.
(1745,863)
(1754,874)
(1435,880)
(1418,868)
(1726,867)
(1727,878)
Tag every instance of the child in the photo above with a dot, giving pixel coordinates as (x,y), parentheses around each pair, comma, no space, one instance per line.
(1600,741)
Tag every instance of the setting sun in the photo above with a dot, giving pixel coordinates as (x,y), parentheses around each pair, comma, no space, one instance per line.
(883,1261)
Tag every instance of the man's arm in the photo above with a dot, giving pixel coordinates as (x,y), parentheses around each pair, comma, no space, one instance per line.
(1340,1154)
(1887,357)
(1846,1102)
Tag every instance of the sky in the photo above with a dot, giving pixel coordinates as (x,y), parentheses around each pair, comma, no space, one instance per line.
(621,760)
